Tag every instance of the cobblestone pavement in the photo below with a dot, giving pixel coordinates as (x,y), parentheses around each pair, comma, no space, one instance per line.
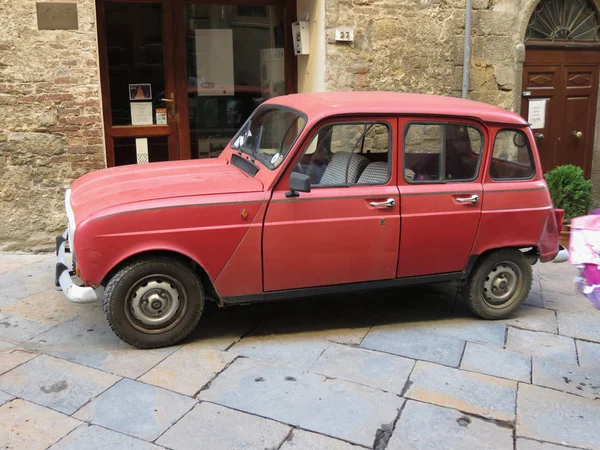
(399,369)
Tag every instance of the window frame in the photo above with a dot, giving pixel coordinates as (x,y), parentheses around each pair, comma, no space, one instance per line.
(353,122)
(442,164)
(529,149)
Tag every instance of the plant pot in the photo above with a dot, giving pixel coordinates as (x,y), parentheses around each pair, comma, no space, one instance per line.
(565,236)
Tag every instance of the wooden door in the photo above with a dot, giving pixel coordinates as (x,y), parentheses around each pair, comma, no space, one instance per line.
(567,79)
(135,40)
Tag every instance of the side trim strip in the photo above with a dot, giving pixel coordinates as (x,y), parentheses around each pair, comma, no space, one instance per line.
(342,288)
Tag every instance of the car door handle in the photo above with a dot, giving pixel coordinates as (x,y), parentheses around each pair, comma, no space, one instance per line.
(389,203)
(472,199)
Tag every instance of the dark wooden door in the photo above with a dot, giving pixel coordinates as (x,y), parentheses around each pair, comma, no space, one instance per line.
(567,78)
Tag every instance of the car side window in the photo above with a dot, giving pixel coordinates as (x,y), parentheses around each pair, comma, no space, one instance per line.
(511,158)
(348,154)
(441,152)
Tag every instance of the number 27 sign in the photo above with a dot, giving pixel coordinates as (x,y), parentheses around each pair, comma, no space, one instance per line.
(345,34)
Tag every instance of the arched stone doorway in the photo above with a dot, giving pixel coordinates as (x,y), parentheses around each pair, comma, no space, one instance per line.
(560,81)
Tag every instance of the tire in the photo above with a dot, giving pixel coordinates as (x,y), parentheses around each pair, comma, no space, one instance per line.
(154,302)
(498,284)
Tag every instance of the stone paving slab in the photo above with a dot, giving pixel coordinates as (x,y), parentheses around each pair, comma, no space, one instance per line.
(467,329)
(24,425)
(567,378)
(29,280)
(543,345)
(11,356)
(589,354)
(188,369)
(304,440)
(471,392)
(92,437)
(497,362)
(534,319)
(217,428)
(375,369)
(528,444)
(580,325)
(14,261)
(424,427)
(293,350)
(534,299)
(136,409)
(56,384)
(16,329)
(549,415)
(49,306)
(415,343)
(92,343)
(4,397)
(572,302)
(335,408)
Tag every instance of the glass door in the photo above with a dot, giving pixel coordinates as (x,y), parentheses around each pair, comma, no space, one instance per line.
(231,58)
(138,86)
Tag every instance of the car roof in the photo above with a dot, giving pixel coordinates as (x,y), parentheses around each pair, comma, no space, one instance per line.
(318,105)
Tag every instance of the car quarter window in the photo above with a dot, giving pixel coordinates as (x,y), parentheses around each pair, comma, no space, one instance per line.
(342,154)
(511,158)
(441,152)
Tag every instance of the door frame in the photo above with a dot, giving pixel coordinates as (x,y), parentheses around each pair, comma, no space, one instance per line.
(580,54)
(174,53)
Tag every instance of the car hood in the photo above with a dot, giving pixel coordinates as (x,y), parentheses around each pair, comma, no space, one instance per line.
(123,185)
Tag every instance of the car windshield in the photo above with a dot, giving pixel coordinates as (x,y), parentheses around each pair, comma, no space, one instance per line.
(269,134)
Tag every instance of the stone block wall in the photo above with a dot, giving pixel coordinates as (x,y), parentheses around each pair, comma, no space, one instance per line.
(51,121)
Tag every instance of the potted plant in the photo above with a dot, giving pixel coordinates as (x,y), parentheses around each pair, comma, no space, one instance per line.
(571,192)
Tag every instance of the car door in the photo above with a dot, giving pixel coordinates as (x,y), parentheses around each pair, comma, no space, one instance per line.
(441,194)
(346,229)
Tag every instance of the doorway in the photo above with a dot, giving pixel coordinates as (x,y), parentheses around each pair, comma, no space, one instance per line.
(560,81)
(179,77)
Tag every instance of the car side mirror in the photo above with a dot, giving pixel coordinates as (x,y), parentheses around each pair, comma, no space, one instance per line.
(299,182)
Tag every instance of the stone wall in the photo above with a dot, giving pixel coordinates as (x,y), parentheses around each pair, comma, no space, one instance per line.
(50,116)
(417,46)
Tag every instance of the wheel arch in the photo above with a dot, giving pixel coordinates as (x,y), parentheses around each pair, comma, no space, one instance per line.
(207,284)
(531,252)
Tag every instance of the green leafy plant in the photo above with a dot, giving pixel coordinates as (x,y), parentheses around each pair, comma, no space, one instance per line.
(570,190)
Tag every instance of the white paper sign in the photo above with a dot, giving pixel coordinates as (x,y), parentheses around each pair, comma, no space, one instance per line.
(214,62)
(141,113)
(537,113)
(141,150)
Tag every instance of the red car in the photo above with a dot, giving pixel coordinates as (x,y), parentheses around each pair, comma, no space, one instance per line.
(317,193)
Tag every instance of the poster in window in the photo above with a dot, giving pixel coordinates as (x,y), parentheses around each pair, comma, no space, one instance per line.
(214,62)
(272,72)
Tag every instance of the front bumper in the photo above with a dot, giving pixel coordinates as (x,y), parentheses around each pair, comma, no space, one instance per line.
(73,292)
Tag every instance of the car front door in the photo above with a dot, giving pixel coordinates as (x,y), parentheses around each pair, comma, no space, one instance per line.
(347,228)
(441,194)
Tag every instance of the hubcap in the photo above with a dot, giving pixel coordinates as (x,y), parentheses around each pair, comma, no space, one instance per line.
(501,285)
(155,303)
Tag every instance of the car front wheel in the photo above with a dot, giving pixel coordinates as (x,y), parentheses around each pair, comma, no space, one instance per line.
(154,302)
(499,284)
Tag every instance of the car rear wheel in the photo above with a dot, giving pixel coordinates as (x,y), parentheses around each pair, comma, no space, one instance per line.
(154,302)
(498,284)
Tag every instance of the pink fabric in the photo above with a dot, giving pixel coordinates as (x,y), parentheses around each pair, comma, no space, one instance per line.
(584,251)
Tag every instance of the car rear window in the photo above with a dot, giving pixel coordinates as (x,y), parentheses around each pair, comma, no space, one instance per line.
(511,158)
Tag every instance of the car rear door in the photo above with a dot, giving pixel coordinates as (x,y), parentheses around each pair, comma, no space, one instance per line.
(441,193)
(346,229)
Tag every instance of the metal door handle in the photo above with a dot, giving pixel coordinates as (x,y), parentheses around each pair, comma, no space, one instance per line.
(539,136)
(472,199)
(171,104)
(577,134)
(389,203)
